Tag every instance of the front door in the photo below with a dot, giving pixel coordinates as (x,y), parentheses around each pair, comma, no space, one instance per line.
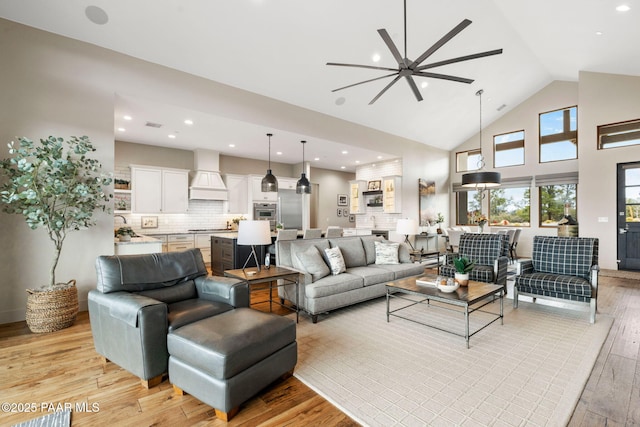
(629,216)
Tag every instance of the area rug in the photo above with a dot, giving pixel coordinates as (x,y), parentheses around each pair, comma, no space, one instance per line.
(529,371)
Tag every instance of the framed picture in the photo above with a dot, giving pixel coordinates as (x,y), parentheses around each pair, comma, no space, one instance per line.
(339,212)
(427,202)
(149,222)
(373,185)
(343,200)
(352,218)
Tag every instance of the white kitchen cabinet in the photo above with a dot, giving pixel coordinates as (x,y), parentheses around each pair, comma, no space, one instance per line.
(159,190)
(203,242)
(180,242)
(238,197)
(392,194)
(256,191)
(286,183)
(357,203)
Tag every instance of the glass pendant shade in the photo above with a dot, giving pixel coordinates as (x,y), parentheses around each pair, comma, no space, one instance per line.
(481,179)
(303,186)
(269,182)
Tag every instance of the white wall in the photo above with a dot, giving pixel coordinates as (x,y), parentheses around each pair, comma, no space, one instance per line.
(601,99)
(54,85)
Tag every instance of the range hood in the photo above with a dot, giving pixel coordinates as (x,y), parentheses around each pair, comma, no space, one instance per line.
(206,182)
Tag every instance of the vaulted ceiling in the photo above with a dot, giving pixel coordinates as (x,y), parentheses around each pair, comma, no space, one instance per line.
(280,49)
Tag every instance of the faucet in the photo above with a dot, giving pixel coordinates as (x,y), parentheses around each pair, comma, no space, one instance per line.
(123,218)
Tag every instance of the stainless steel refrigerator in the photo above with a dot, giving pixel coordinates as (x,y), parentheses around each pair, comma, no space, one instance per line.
(290,209)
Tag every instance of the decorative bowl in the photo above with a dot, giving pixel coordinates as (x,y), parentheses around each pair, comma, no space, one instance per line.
(449,288)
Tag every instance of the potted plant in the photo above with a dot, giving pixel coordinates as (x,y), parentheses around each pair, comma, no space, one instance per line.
(57,186)
(235,222)
(439,220)
(463,267)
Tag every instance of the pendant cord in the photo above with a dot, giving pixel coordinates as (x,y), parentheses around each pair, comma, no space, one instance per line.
(405,29)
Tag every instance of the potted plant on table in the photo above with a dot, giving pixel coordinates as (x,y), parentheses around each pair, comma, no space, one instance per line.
(463,266)
(439,220)
(57,186)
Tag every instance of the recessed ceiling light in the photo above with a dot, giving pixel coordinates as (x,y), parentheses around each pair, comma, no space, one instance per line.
(345,152)
(357,161)
(121,129)
(599,33)
(127,118)
(424,84)
(379,157)
(316,158)
(96,15)
(279,153)
(376,57)
(623,8)
(232,145)
(343,167)
(188,122)
(171,136)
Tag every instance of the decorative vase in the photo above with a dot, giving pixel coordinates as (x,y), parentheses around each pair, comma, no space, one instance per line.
(480,228)
(462,279)
(50,310)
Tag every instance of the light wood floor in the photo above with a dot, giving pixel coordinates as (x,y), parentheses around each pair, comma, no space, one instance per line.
(63,367)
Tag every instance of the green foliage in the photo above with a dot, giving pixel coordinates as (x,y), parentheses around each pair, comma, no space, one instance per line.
(463,264)
(55,185)
(440,218)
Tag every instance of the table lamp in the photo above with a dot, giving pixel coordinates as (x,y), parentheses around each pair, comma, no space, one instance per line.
(252,233)
(407,227)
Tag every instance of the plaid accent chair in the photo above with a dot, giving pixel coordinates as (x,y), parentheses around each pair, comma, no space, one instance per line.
(561,268)
(490,253)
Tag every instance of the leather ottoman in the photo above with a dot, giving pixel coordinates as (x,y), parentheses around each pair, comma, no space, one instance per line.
(226,359)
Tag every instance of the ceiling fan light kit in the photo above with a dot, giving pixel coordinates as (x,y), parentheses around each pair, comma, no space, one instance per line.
(269,182)
(410,69)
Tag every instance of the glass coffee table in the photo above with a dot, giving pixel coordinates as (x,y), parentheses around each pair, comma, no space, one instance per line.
(465,300)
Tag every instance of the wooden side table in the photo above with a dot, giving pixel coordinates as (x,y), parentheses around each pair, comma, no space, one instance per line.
(267,276)
(424,256)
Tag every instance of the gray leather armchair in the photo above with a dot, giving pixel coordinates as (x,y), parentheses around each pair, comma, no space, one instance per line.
(141,298)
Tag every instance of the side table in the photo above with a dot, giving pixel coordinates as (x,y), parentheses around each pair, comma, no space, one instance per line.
(268,276)
(428,255)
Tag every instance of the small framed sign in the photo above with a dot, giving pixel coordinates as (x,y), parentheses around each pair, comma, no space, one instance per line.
(343,200)
(149,222)
(373,185)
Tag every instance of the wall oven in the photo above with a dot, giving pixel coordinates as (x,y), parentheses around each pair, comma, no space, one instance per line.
(266,211)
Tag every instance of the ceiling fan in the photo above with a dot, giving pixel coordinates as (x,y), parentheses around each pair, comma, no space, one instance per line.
(408,68)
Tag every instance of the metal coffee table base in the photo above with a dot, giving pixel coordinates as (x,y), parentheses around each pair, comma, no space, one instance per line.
(435,295)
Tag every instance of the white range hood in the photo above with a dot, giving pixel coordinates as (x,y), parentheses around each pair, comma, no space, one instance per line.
(206,182)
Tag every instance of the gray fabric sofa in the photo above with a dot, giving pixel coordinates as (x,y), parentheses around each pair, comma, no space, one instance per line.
(321,291)
(141,298)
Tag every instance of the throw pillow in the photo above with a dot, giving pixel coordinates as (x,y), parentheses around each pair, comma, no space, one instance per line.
(312,262)
(386,253)
(336,261)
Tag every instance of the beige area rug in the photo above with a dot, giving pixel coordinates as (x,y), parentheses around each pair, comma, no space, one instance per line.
(529,371)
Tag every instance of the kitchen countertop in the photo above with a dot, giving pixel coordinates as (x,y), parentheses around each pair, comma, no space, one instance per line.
(137,240)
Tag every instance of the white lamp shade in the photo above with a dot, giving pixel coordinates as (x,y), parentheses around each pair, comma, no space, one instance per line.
(256,232)
(407,226)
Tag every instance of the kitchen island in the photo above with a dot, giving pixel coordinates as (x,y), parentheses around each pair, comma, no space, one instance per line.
(137,245)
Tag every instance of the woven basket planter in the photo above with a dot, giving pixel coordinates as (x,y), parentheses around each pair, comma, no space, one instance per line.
(52,309)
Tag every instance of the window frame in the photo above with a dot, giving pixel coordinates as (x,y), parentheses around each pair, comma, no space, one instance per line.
(566,135)
(475,151)
(621,126)
(525,224)
(540,211)
(519,142)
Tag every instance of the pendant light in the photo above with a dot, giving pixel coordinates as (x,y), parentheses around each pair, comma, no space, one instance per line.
(303,186)
(481,179)
(269,182)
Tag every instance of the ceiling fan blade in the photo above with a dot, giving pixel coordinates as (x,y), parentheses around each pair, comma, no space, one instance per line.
(442,76)
(384,90)
(370,67)
(414,88)
(392,47)
(451,34)
(366,81)
(460,59)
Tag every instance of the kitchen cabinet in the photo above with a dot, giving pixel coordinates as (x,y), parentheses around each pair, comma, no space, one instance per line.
(238,194)
(392,194)
(159,190)
(257,195)
(226,254)
(286,183)
(180,242)
(357,204)
(138,245)
(203,242)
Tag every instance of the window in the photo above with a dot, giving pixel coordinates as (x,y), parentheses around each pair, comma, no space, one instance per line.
(632,192)
(468,160)
(619,134)
(559,135)
(510,206)
(553,199)
(468,205)
(508,149)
